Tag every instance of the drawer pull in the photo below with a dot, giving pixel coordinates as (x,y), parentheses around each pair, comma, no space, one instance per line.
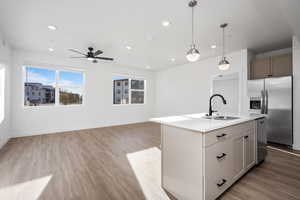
(222,135)
(221,183)
(246,137)
(223,155)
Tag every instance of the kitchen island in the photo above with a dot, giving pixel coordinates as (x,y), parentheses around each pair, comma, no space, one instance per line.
(203,157)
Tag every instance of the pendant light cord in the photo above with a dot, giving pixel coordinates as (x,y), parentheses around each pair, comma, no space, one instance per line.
(223,43)
(193,26)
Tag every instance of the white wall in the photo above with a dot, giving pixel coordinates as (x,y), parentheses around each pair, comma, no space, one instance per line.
(186,89)
(296,71)
(5,62)
(229,88)
(97,110)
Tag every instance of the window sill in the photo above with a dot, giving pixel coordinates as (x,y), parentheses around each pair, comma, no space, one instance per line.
(53,106)
(134,104)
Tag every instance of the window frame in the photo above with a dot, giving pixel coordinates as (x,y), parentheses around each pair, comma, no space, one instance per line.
(2,92)
(129,89)
(57,86)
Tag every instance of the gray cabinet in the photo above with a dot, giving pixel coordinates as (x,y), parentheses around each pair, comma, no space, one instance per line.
(260,68)
(281,65)
(273,66)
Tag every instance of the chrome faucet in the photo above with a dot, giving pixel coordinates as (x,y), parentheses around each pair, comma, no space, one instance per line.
(211,111)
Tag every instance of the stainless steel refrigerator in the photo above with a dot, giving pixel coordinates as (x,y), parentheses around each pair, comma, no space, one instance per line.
(274,97)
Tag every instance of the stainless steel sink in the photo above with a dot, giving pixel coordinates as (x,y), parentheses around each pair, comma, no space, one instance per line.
(221,117)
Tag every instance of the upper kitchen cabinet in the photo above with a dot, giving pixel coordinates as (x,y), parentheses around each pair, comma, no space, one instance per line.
(260,68)
(272,66)
(281,65)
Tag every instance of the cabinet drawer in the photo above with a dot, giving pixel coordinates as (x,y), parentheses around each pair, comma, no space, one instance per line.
(216,185)
(219,168)
(219,159)
(226,133)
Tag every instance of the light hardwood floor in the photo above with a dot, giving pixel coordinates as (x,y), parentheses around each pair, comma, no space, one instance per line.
(120,163)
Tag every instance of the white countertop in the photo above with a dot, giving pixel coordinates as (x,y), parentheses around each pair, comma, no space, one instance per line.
(196,122)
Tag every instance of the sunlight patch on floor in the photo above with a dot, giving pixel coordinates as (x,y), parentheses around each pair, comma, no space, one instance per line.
(146,165)
(29,190)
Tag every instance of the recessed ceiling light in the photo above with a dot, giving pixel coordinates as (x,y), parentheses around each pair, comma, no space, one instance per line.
(173,59)
(213,46)
(128,47)
(51,49)
(165,23)
(149,38)
(148,67)
(52,27)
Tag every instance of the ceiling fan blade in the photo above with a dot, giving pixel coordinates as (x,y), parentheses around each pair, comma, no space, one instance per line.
(104,58)
(75,51)
(98,52)
(77,57)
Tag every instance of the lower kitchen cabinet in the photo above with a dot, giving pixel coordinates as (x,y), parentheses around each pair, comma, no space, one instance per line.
(239,156)
(249,149)
(203,165)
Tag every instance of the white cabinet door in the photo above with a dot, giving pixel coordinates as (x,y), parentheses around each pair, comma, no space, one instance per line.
(218,168)
(249,150)
(238,156)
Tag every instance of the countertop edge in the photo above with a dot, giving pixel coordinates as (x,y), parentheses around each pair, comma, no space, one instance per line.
(233,123)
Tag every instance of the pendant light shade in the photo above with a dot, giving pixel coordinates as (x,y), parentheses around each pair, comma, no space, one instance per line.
(224,63)
(193,54)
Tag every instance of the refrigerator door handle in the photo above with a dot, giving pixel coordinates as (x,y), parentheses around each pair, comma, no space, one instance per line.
(262,102)
(267,102)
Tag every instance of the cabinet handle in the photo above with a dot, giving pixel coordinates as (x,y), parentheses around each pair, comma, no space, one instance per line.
(246,137)
(221,183)
(222,135)
(221,156)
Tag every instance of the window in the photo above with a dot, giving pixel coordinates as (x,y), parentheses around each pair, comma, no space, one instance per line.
(137,91)
(70,88)
(125,93)
(119,85)
(37,79)
(52,87)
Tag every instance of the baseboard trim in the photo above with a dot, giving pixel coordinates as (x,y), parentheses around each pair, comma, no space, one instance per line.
(296,147)
(3,142)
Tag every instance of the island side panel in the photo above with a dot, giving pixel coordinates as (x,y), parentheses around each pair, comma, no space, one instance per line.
(182,163)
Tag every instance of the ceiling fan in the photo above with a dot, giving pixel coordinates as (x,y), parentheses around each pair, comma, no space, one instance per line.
(90,55)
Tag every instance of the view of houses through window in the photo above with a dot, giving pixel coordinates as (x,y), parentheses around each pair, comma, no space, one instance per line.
(128,91)
(41,87)
(70,88)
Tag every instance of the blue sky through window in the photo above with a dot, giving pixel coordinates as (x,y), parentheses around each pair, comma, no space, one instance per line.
(38,75)
(47,77)
(71,79)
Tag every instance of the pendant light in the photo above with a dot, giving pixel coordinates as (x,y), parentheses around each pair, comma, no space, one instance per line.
(224,63)
(193,54)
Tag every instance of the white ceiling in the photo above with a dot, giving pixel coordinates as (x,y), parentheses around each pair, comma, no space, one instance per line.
(111,25)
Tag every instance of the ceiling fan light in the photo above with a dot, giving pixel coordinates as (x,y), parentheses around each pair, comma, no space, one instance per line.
(90,59)
(224,64)
(193,54)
